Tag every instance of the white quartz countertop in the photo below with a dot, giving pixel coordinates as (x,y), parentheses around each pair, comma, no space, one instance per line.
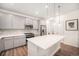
(10,35)
(45,41)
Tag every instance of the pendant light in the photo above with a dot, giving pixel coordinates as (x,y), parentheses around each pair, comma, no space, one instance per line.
(47,22)
(59,7)
(46,7)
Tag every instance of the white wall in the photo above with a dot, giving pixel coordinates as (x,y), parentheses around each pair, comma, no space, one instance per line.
(50,27)
(71,37)
(58,27)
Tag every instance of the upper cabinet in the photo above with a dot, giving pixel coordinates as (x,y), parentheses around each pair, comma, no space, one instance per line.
(8,21)
(29,21)
(35,24)
(18,22)
(5,21)
(42,22)
(32,22)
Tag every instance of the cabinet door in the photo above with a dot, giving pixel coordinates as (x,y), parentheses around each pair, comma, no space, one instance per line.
(35,24)
(5,21)
(8,21)
(15,41)
(42,22)
(1,45)
(28,21)
(19,41)
(18,22)
(8,42)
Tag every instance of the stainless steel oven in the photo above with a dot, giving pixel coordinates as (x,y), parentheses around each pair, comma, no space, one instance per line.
(29,35)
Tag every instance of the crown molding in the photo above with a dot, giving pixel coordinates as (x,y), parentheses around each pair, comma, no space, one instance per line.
(18,14)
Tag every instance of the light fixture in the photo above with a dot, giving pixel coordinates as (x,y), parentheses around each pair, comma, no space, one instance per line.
(59,7)
(46,6)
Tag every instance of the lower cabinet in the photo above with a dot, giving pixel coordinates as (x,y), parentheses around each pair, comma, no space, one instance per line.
(1,45)
(8,43)
(15,41)
(19,41)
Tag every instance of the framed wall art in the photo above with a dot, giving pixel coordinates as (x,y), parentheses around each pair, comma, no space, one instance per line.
(71,25)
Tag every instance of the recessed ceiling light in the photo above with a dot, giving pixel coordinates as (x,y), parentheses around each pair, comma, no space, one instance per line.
(46,6)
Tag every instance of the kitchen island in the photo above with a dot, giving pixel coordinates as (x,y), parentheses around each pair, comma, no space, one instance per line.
(46,45)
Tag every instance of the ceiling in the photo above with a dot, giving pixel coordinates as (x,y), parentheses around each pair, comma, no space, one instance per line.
(42,10)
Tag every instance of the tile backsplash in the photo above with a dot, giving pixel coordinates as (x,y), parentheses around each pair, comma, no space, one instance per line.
(11,31)
(19,32)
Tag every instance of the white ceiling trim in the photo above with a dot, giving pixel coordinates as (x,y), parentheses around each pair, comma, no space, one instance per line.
(9,12)
(18,14)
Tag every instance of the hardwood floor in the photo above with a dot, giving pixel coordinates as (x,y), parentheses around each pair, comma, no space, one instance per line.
(19,51)
(65,50)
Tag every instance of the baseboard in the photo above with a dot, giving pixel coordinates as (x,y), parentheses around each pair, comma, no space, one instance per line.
(70,44)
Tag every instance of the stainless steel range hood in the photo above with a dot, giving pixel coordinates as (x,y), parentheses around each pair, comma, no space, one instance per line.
(29,26)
